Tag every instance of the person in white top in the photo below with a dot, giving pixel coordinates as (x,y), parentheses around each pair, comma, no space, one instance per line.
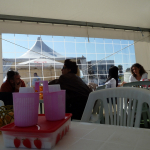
(138,73)
(112,80)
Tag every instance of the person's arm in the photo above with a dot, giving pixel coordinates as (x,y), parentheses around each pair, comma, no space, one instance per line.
(144,76)
(55,81)
(121,84)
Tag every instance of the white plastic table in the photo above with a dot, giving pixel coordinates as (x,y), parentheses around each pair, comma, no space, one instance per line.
(87,136)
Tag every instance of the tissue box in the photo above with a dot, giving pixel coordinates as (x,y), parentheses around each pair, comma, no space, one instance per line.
(44,135)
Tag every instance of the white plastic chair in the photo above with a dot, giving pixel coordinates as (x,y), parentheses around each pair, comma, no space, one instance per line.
(144,85)
(115,114)
(140,84)
(97,104)
(100,87)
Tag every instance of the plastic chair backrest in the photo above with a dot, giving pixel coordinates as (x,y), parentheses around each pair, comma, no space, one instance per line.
(100,87)
(116,114)
(141,84)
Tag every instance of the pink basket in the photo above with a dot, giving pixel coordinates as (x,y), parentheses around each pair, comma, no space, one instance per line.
(54,105)
(54,102)
(25,109)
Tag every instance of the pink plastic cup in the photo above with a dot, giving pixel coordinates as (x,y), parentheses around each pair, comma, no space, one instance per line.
(25,109)
(54,105)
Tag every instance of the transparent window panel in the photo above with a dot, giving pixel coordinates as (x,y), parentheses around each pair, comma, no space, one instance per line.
(125,49)
(124,41)
(48,72)
(132,59)
(109,48)
(59,60)
(108,40)
(59,48)
(23,71)
(109,66)
(131,41)
(58,38)
(27,82)
(100,48)
(69,39)
(6,68)
(131,48)
(21,37)
(83,59)
(110,57)
(6,55)
(116,41)
(94,69)
(47,44)
(100,57)
(19,54)
(117,48)
(83,69)
(58,72)
(46,38)
(71,56)
(33,37)
(21,47)
(90,40)
(102,68)
(80,39)
(7,46)
(7,36)
(80,48)
(91,57)
(102,79)
(99,40)
(126,59)
(126,67)
(70,47)
(90,47)
(118,58)
(120,68)
(32,43)
(93,79)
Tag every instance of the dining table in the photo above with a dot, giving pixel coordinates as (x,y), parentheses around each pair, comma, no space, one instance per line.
(91,136)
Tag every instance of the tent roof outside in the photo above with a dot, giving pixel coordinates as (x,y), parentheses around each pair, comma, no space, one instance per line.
(40,50)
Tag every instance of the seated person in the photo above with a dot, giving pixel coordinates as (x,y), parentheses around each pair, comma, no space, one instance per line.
(138,73)
(13,82)
(77,91)
(112,80)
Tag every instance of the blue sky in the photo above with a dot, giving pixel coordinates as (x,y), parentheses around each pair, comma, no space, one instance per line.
(96,49)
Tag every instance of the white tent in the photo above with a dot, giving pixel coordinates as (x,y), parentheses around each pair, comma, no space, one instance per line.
(41,50)
(42,62)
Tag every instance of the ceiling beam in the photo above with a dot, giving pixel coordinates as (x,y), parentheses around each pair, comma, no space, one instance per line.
(70,22)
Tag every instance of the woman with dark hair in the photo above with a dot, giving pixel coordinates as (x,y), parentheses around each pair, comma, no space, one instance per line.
(77,91)
(138,73)
(112,80)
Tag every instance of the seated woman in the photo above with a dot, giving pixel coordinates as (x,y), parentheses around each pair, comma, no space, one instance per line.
(138,73)
(77,91)
(112,80)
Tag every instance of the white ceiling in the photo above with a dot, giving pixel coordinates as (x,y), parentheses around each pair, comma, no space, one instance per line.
(134,13)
